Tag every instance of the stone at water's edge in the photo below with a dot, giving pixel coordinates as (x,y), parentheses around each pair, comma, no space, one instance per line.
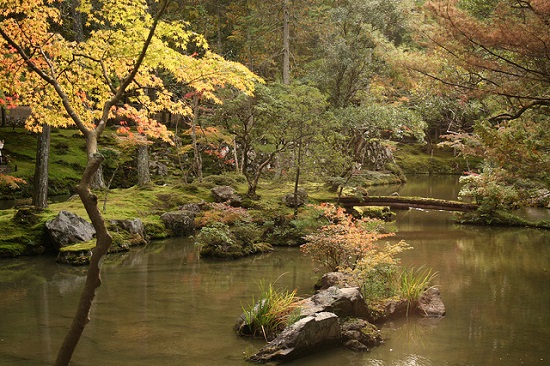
(310,334)
(131,226)
(67,228)
(430,304)
(359,334)
(179,223)
(343,302)
(388,309)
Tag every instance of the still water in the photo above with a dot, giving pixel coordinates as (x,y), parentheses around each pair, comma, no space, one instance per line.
(162,305)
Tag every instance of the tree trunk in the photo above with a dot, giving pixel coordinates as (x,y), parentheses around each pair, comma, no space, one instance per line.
(407,202)
(255,177)
(144,176)
(3,111)
(236,156)
(40,187)
(96,180)
(196,152)
(286,43)
(297,180)
(93,280)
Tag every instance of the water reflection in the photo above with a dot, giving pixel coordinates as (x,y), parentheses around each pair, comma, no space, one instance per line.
(163,305)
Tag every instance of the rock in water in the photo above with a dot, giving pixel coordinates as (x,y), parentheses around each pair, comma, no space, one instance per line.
(309,334)
(430,304)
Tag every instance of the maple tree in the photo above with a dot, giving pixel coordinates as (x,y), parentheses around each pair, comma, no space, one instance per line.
(84,83)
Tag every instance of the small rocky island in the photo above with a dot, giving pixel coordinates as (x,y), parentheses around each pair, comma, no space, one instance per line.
(337,315)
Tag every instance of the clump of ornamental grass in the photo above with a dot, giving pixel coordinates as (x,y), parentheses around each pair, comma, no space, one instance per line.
(275,310)
(413,282)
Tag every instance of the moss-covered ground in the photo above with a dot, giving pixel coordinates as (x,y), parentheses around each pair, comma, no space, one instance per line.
(68,157)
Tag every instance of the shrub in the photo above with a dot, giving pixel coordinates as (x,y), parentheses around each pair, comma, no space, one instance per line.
(378,283)
(376,271)
(221,212)
(345,240)
(223,241)
(286,231)
(215,240)
(247,233)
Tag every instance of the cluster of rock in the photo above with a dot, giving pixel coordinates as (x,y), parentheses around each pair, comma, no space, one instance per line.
(336,316)
(67,230)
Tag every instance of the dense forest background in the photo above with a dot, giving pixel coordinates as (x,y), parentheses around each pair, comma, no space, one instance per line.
(337,85)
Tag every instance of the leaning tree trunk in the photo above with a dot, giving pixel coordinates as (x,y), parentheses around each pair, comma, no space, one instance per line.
(144,176)
(93,280)
(40,187)
(98,182)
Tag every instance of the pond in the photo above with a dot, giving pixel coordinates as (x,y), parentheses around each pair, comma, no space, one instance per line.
(162,305)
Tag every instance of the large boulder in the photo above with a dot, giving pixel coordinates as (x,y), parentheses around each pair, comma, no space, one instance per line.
(226,194)
(430,304)
(347,302)
(308,335)
(67,229)
(179,223)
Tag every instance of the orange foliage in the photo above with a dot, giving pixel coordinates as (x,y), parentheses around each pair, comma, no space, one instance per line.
(10,182)
(344,241)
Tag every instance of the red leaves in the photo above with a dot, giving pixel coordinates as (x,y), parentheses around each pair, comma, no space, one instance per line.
(9,102)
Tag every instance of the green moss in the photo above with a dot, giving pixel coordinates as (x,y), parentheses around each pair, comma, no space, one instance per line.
(11,250)
(84,246)
(67,159)
(375,212)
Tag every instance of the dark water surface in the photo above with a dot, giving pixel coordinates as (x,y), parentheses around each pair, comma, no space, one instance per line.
(161,305)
